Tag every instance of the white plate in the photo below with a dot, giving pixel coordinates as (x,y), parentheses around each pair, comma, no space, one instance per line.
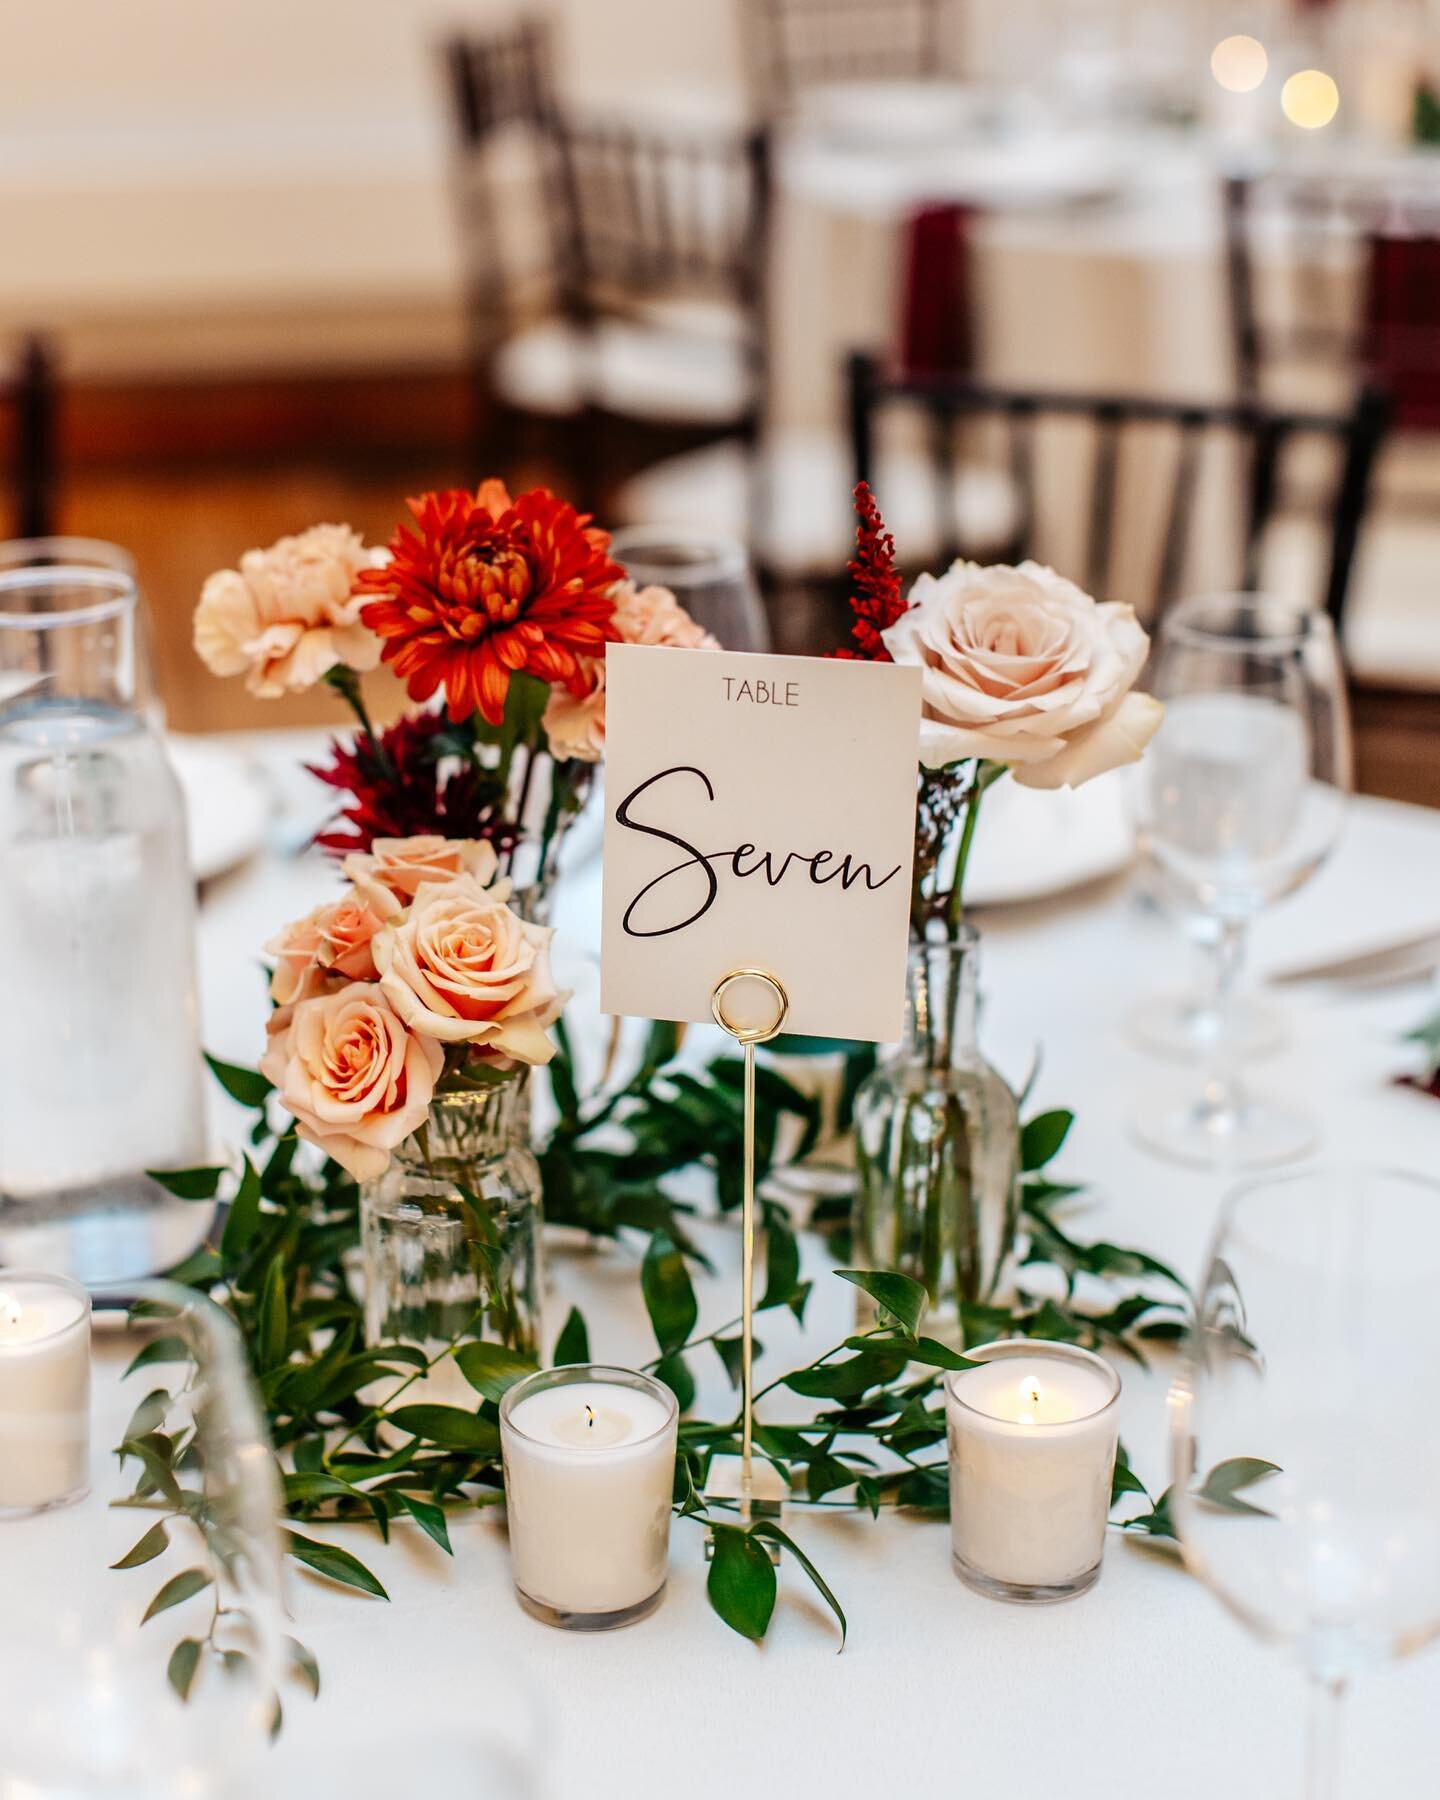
(1032,842)
(227,803)
(893,114)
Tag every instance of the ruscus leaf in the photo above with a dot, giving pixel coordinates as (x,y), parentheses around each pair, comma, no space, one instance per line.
(898,1295)
(330,1560)
(741,1582)
(668,1293)
(154,1543)
(184,1660)
(181,1587)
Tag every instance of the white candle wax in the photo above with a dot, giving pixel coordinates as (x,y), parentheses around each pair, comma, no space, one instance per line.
(589,1468)
(44,1390)
(1032,1451)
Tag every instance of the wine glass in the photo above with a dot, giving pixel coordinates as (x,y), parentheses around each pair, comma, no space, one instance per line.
(94,1658)
(708,574)
(1240,799)
(1315,1350)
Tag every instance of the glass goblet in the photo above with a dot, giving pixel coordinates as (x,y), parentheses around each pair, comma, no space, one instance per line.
(1239,801)
(1314,1350)
(708,574)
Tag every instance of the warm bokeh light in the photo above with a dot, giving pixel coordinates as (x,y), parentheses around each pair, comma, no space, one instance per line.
(1239,63)
(1310,98)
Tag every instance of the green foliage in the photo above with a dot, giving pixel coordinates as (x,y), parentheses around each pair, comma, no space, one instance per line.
(876,1441)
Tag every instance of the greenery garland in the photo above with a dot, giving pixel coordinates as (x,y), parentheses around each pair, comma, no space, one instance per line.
(277,1263)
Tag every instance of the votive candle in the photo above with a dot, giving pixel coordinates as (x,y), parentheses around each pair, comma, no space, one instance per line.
(1032,1436)
(44,1390)
(589,1456)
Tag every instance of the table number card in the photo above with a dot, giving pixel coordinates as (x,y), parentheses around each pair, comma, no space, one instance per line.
(760,814)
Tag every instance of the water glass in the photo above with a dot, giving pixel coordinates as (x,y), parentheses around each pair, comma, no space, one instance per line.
(708,574)
(1306,1463)
(1240,800)
(100,1059)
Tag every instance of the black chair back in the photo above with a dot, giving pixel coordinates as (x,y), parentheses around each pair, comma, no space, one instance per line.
(951,409)
(33,405)
(1303,251)
(795,44)
(501,93)
(653,215)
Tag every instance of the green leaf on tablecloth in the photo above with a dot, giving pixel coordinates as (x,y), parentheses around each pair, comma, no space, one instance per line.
(451,1427)
(825,1475)
(330,1560)
(1124,1480)
(741,1582)
(244,1215)
(154,1543)
(782,1263)
(272,1327)
(1042,1136)
(767,1529)
(1158,1522)
(184,1661)
(905,1300)
(491,1369)
(153,1451)
(430,1518)
(158,1350)
(248,1086)
(573,1343)
(668,1293)
(867,1492)
(849,1379)
(189,1184)
(674,1371)
(1221,1487)
(179,1588)
(304,1666)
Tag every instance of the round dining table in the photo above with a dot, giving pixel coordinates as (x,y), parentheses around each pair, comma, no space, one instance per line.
(1143,1685)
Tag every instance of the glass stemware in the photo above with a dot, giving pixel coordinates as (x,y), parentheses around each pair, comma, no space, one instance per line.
(92,1695)
(707,573)
(1315,1350)
(1239,800)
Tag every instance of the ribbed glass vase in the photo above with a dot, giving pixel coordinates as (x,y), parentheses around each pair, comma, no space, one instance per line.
(938,1145)
(451,1234)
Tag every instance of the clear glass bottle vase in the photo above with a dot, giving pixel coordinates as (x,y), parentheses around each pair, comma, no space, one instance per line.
(451,1236)
(938,1145)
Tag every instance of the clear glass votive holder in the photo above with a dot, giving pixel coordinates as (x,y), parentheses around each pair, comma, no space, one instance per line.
(1032,1436)
(44,1391)
(589,1455)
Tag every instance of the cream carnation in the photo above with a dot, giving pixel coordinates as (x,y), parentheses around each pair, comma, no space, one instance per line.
(1023,668)
(355,1080)
(652,615)
(460,966)
(287,615)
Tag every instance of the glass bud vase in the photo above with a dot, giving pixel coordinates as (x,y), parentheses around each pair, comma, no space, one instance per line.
(451,1236)
(937,1141)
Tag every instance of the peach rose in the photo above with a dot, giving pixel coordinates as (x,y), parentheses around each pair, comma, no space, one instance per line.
(332,940)
(1023,668)
(462,967)
(355,1080)
(653,615)
(287,616)
(575,727)
(393,871)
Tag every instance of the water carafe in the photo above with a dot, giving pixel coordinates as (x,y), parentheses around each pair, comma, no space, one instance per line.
(100,1075)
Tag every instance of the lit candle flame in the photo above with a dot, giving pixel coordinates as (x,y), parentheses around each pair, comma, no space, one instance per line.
(10,1308)
(590,1417)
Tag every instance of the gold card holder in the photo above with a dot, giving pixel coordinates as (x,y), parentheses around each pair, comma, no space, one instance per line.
(751,1005)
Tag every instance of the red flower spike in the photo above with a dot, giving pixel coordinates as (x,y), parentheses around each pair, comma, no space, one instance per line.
(488,587)
(876,601)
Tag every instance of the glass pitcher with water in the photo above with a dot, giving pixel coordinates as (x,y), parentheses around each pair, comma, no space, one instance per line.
(99,1053)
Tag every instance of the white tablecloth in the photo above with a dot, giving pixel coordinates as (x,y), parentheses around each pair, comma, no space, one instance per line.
(1144,1685)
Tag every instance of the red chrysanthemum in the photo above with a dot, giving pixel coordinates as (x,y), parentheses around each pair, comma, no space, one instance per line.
(877,601)
(488,587)
(406,785)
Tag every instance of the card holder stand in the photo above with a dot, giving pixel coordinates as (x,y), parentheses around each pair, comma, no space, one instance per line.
(756,1488)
